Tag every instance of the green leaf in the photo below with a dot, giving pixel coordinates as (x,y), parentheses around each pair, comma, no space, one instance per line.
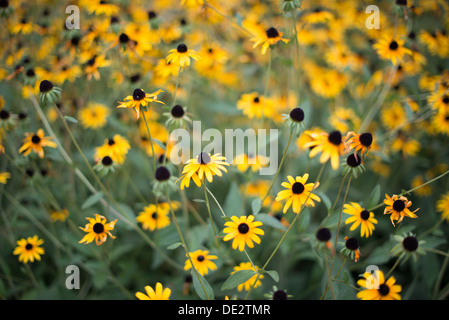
(202,287)
(199,200)
(374,197)
(271,221)
(273,274)
(256,205)
(93,199)
(237,278)
(174,246)
(71,119)
(234,202)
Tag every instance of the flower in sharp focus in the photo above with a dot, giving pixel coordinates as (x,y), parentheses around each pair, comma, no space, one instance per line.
(376,288)
(159,293)
(442,205)
(201,261)
(247,285)
(243,231)
(36,142)
(205,166)
(181,56)
(298,193)
(358,142)
(360,217)
(354,165)
(139,99)
(98,229)
(398,207)
(268,38)
(330,145)
(29,249)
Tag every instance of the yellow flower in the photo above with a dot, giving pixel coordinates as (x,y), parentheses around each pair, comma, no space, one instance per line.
(94,115)
(158,294)
(29,249)
(443,206)
(360,216)
(201,261)
(244,162)
(398,207)
(59,215)
(205,166)
(4,176)
(270,37)
(192,3)
(390,48)
(36,142)
(358,142)
(330,145)
(153,217)
(248,284)
(116,148)
(243,231)
(376,288)
(298,192)
(97,229)
(181,56)
(139,99)
(255,105)
(100,7)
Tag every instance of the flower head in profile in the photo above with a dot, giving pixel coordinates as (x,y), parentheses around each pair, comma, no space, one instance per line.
(48,92)
(201,260)
(268,38)
(298,193)
(29,249)
(376,288)
(181,56)
(139,99)
(36,142)
(158,293)
(243,231)
(205,166)
(398,207)
(351,248)
(330,145)
(250,283)
(98,229)
(360,217)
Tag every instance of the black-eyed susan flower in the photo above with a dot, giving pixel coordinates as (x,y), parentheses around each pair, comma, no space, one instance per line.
(442,206)
(98,229)
(181,56)
(277,294)
(271,37)
(362,142)
(353,165)
(5,8)
(251,282)
(294,119)
(116,148)
(177,117)
(351,248)
(391,48)
(254,105)
(100,7)
(398,207)
(36,142)
(29,249)
(360,217)
(60,215)
(140,99)
(323,235)
(48,92)
(205,166)
(298,193)
(250,161)
(7,120)
(93,64)
(105,165)
(94,116)
(407,246)
(202,261)
(4,176)
(158,293)
(243,231)
(330,145)
(164,181)
(376,288)
(153,217)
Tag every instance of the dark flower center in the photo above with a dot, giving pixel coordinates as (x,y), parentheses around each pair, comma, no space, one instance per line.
(323,234)
(151,15)
(243,228)
(29,246)
(334,138)
(297,114)
(154,215)
(280,295)
(384,289)
(4,114)
(353,160)
(401,2)
(98,228)
(4,4)
(352,244)
(446,99)
(393,45)
(123,38)
(182,48)
(366,139)
(45,86)
(111,142)
(138,94)
(162,174)
(200,258)
(177,111)
(364,215)
(272,33)
(297,188)
(256,100)
(30,73)
(204,158)
(106,161)
(398,205)
(35,139)
(410,243)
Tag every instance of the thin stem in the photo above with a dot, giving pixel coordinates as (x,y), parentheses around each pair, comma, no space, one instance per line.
(446,254)
(151,140)
(210,214)
(440,276)
(394,266)
(207,4)
(216,201)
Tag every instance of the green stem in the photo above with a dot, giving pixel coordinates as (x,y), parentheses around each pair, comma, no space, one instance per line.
(151,140)
(210,214)
(216,201)
(393,267)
